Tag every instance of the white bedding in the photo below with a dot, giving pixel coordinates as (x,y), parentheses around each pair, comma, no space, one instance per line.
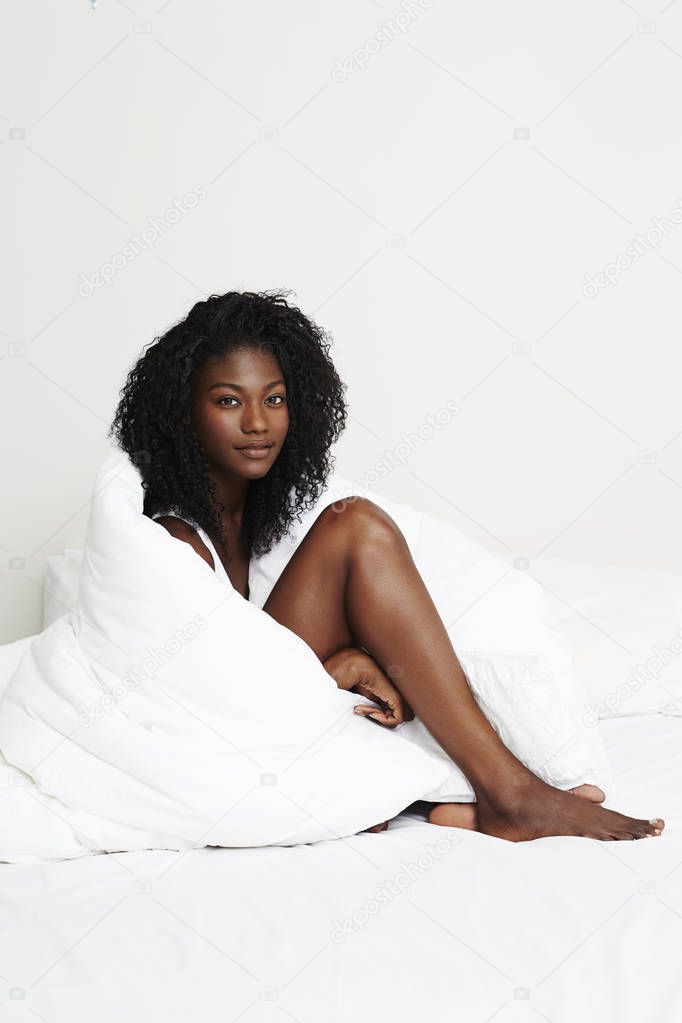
(164,711)
(560,929)
(417,923)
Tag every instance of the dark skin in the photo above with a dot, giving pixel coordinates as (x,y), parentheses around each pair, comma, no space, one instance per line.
(352,592)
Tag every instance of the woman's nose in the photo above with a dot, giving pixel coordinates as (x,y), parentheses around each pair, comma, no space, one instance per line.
(253,419)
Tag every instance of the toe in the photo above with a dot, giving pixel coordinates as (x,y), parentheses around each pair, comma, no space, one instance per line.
(647,830)
(590,792)
(631,828)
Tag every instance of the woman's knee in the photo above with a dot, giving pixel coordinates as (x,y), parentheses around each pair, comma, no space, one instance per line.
(363,521)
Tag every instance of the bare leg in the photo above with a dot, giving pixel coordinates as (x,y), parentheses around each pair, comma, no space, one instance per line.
(352,582)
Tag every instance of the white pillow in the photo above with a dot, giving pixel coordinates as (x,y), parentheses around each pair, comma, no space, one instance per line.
(61,584)
(624,626)
(10,656)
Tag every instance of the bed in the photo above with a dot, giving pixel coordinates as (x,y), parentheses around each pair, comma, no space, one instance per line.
(418,922)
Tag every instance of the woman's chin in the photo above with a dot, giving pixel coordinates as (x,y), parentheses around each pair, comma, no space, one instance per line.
(250,468)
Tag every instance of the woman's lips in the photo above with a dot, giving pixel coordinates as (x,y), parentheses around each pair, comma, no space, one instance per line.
(256,452)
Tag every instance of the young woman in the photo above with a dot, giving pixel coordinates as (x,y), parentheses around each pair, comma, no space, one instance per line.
(237,407)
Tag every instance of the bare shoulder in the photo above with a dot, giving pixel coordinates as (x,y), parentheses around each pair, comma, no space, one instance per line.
(182,530)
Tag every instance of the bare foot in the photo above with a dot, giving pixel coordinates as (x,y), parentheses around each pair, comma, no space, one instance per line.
(534,809)
(464,815)
(455,815)
(376,827)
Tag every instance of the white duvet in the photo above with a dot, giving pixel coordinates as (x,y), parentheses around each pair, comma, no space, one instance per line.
(166,711)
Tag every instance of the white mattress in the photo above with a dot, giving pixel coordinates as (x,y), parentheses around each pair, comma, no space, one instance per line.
(478,929)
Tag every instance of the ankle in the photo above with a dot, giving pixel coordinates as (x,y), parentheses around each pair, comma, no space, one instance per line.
(510,792)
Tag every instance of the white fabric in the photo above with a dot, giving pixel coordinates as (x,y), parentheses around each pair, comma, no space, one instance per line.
(416,923)
(167,711)
(130,746)
(60,588)
(624,626)
(151,771)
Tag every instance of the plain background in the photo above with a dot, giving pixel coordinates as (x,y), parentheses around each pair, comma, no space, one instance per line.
(433,180)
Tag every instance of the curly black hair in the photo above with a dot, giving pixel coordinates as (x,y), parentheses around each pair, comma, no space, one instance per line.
(153,425)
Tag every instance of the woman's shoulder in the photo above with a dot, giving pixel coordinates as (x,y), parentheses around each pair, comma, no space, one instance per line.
(186,532)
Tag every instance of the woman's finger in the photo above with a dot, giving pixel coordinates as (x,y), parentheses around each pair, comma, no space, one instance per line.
(380,716)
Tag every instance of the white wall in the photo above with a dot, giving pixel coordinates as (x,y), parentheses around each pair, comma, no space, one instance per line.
(437,210)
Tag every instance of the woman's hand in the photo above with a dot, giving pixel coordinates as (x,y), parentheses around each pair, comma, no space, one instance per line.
(356,671)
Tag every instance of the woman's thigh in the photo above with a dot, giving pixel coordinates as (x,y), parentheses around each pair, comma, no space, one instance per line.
(309,596)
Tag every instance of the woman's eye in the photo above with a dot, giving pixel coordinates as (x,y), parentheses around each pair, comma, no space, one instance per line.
(229,397)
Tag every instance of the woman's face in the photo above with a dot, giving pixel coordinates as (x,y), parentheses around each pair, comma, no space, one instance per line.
(239,400)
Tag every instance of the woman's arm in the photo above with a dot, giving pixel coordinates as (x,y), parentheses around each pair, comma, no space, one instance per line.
(182,530)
